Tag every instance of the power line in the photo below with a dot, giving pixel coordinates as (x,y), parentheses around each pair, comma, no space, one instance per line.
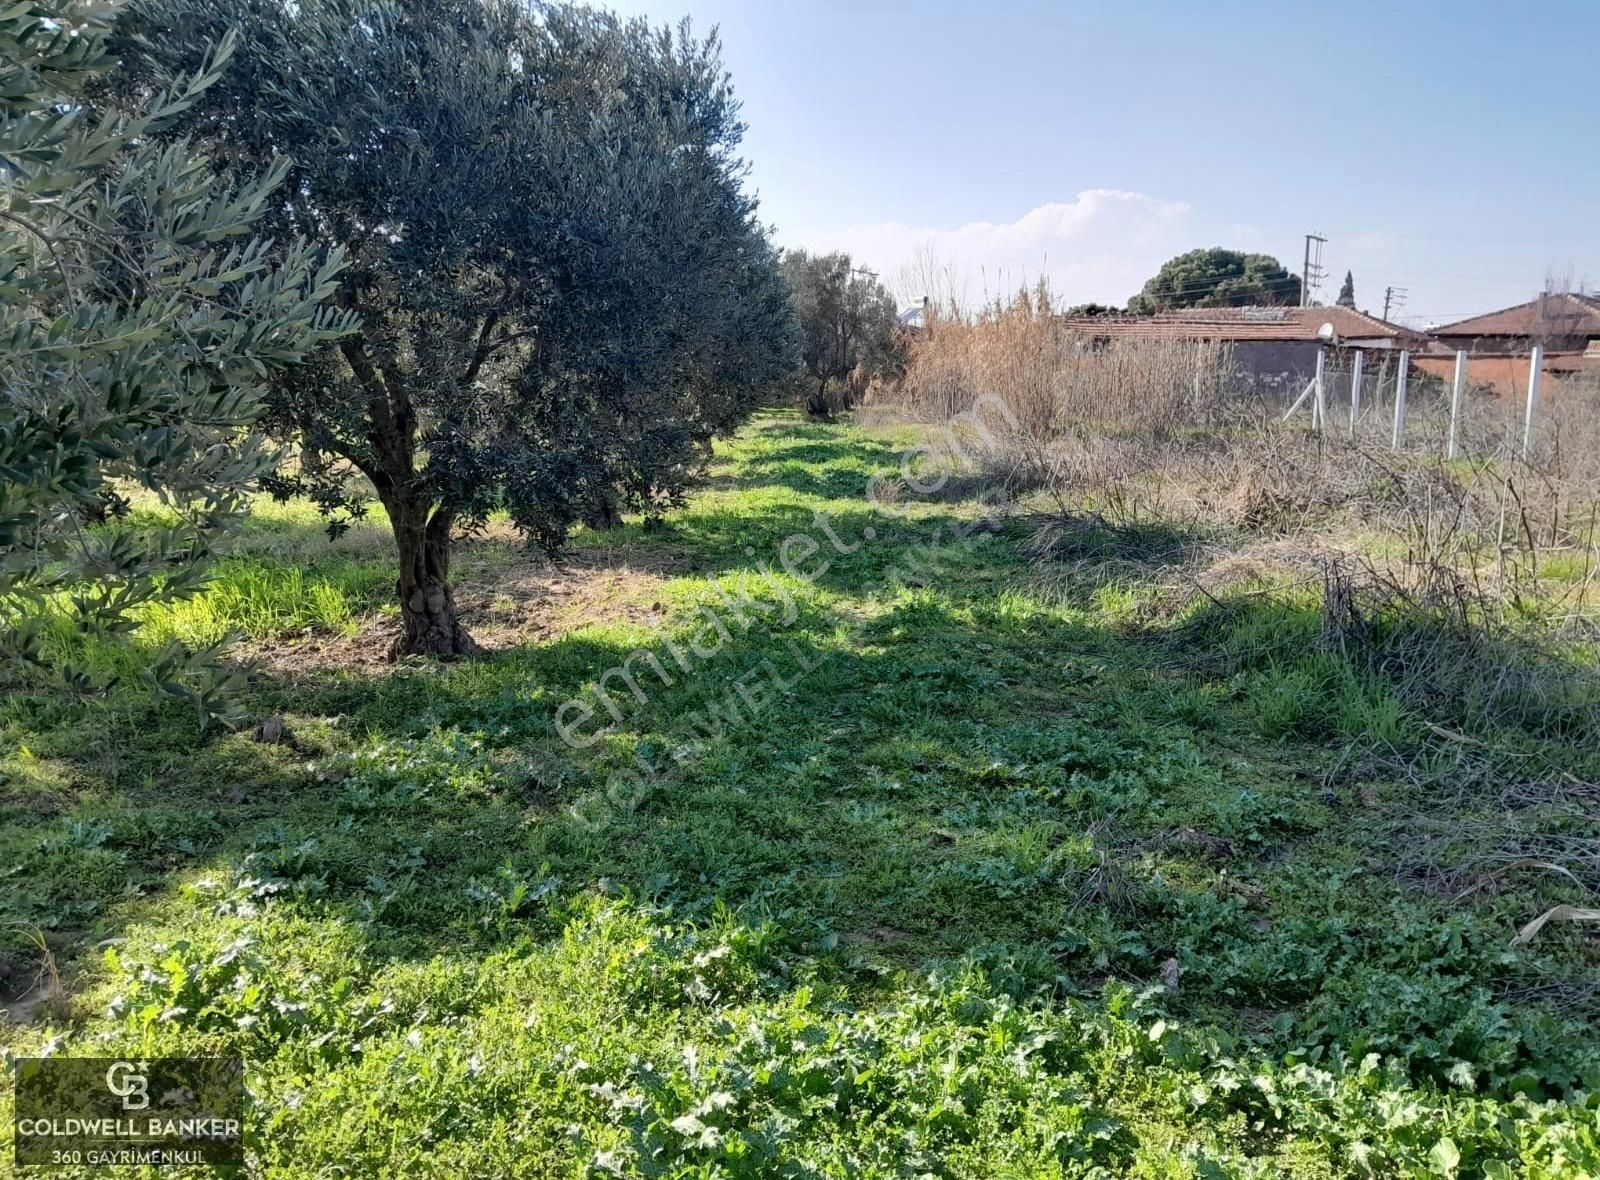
(1394,295)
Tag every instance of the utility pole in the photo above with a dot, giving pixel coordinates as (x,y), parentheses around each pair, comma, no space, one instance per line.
(1311,270)
(1395,296)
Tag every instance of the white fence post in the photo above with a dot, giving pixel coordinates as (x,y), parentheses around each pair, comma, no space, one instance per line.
(1320,409)
(1456,387)
(1355,392)
(1400,379)
(1533,400)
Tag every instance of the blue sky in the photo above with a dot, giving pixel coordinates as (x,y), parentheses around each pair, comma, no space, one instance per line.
(1449,148)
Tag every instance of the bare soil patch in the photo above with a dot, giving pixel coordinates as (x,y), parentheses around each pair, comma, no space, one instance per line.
(507,596)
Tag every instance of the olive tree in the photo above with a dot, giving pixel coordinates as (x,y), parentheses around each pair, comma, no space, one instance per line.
(139,322)
(847,324)
(563,289)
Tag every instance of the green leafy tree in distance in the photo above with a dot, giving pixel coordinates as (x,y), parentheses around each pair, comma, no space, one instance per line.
(1218,278)
(563,289)
(847,319)
(139,323)
(1347,292)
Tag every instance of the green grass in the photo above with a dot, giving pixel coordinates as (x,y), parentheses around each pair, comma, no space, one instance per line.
(909,915)
(262,599)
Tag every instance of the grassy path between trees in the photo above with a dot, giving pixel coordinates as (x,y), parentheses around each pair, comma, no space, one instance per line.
(911,869)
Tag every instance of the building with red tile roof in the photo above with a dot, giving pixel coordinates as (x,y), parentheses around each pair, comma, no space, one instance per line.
(1347,327)
(1271,346)
(1557,321)
(1499,344)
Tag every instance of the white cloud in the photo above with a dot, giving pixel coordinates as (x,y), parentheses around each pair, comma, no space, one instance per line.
(1102,245)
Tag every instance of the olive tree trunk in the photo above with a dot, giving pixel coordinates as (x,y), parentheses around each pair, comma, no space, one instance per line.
(603,511)
(427,608)
(817,405)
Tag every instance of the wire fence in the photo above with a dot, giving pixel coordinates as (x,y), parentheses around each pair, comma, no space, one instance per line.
(1382,397)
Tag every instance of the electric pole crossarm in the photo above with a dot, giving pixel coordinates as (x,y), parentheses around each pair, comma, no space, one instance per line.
(1311,269)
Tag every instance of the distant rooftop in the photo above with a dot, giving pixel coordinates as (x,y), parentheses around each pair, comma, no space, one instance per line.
(1561,314)
(1245,323)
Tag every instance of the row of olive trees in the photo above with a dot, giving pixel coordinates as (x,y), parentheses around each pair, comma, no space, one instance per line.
(490,257)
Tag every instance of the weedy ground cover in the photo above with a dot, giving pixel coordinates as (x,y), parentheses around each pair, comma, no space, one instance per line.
(1019,878)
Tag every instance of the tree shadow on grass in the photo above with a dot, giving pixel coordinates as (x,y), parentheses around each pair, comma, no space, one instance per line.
(1082,560)
(454,773)
(154,800)
(944,773)
(818,792)
(740,816)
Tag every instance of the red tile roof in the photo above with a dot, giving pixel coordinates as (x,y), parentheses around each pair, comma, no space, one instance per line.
(1563,314)
(1245,323)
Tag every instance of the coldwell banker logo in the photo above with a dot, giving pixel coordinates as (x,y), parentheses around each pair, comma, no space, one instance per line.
(133,1088)
(102,1111)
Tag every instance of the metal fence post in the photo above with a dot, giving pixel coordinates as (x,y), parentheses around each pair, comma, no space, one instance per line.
(1400,379)
(1321,405)
(1455,401)
(1533,400)
(1355,392)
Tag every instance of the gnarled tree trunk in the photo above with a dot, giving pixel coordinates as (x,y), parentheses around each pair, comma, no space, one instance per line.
(603,511)
(817,405)
(427,607)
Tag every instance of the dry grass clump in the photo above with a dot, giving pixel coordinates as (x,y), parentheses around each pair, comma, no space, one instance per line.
(1429,633)
(1054,381)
